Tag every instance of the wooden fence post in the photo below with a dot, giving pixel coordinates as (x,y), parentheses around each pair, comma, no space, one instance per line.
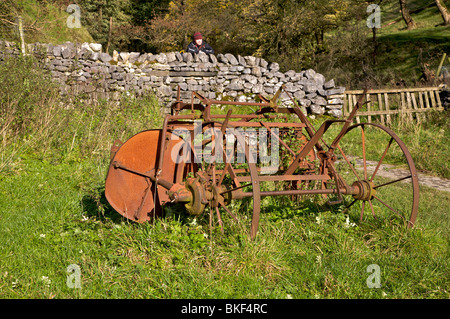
(380,107)
(21,36)
(440,65)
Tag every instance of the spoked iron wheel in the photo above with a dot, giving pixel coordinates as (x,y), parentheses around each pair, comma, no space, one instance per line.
(375,161)
(230,172)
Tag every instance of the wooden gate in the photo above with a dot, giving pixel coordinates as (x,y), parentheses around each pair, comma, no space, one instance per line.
(409,103)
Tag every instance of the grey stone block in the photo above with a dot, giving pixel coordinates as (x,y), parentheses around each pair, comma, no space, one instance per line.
(319,101)
(134,56)
(231,59)
(222,58)
(57,51)
(105,57)
(310,88)
(241,60)
(339,90)
(299,94)
(317,109)
(274,66)
(335,113)
(309,74)
(329,85)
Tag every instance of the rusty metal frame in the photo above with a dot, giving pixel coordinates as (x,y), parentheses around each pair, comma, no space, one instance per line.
(207,186)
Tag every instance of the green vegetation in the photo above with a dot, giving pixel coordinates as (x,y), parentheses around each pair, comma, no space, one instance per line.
(54,154)
(53,160)
(398,57)
(428,142)
(329,36)
(54,216)
(43,21)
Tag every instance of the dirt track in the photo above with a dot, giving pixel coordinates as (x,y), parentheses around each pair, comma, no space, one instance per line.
(389,171)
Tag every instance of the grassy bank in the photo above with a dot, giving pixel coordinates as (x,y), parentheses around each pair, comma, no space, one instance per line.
(43,21)
(398,57)
(53,214)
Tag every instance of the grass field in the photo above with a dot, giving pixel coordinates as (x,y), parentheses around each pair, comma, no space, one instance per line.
(55,215)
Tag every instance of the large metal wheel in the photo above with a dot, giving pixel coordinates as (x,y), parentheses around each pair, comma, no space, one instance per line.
(226,174)
(373,159)
(129,187)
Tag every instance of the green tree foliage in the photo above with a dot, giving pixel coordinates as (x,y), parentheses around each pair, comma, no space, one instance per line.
(292,29)
(298,34)
(266,28)
(218,21)
(96,14)
(128,24)
(143,11)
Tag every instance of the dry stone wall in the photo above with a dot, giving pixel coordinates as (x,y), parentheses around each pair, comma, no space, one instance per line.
(84,68)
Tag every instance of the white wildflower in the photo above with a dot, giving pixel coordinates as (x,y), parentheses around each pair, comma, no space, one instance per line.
(318,220)
(319,260)
(42,235)
(46,280)
(347,223)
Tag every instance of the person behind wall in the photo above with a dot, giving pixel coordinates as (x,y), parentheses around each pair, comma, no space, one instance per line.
(198,45)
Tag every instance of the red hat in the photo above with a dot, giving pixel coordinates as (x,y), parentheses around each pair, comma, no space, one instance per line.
(197,35)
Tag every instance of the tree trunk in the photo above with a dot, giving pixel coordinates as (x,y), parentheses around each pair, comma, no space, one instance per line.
(109,34)
(375,45)
(406,16)
(444,12)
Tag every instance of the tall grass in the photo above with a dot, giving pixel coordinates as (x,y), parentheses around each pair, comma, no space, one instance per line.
(37,121)
(428,142)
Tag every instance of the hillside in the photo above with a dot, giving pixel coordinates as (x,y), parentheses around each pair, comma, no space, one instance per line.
(397,57)
(411,52)
(44,22)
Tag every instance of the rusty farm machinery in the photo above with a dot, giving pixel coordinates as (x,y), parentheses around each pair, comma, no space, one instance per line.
(205,160)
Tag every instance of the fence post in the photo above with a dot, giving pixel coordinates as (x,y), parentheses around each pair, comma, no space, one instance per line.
(414,104)
(380,107)
(386,105)
(21,36)
(409,106)
(440,65)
